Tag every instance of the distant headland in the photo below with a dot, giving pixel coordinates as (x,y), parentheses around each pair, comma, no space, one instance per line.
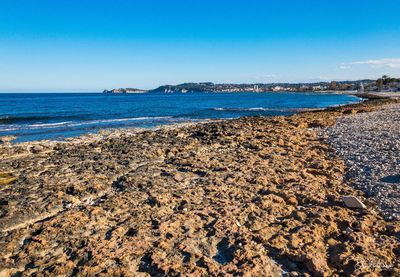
(125,90)
(382,84)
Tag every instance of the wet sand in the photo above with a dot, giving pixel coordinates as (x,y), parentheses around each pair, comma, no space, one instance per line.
(254,196)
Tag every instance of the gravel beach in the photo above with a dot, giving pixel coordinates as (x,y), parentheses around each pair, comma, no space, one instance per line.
(369,143)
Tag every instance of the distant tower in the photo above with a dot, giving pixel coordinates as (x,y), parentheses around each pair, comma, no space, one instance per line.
(361,89)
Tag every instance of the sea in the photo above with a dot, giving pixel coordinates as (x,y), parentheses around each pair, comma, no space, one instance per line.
(56,116)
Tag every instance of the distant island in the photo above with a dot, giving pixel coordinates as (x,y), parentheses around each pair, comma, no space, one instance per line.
(382,84)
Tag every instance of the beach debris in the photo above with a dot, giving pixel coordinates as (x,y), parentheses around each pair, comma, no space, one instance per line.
(353,202)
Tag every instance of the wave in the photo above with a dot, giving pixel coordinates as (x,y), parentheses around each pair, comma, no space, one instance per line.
(45,125)
(15,119)
(68,124)
(126,119)
(263,109)
(18,119)
(240,109)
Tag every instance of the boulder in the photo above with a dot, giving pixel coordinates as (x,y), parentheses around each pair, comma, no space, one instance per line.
(353,202)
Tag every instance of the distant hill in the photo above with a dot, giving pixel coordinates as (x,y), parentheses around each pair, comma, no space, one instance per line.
(260,87)
(366,84)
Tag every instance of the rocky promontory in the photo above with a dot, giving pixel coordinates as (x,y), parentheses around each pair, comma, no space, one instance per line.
(125,90)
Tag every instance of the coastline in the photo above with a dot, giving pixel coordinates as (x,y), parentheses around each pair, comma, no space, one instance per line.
(147,111)
(115,131)
(249,195)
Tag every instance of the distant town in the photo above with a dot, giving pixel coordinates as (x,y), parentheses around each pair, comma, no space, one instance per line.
(384,84)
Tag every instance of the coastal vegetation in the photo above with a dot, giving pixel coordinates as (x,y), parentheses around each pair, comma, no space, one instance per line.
(387,83)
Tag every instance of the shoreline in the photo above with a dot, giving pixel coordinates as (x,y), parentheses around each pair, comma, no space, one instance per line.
(253,195)
(103,133)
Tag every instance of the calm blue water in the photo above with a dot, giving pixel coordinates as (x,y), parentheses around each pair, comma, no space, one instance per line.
(61,115)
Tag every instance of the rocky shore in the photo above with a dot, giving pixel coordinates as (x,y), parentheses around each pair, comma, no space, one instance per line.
(253,196)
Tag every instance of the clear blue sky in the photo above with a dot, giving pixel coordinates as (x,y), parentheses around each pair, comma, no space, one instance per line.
(90,45)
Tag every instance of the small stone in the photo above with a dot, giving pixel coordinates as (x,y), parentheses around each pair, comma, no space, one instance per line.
(331,197)
(348,231)
(36,149)
(178,177)
(302,125)
(331,242)
(351,111)
(3,202)
(292,201)
(131,232)
(353,202)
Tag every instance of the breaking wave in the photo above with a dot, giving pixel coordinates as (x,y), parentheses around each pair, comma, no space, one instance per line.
(76,124)
(262,109)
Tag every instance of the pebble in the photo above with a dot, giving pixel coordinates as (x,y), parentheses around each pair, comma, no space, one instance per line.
(369,143)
